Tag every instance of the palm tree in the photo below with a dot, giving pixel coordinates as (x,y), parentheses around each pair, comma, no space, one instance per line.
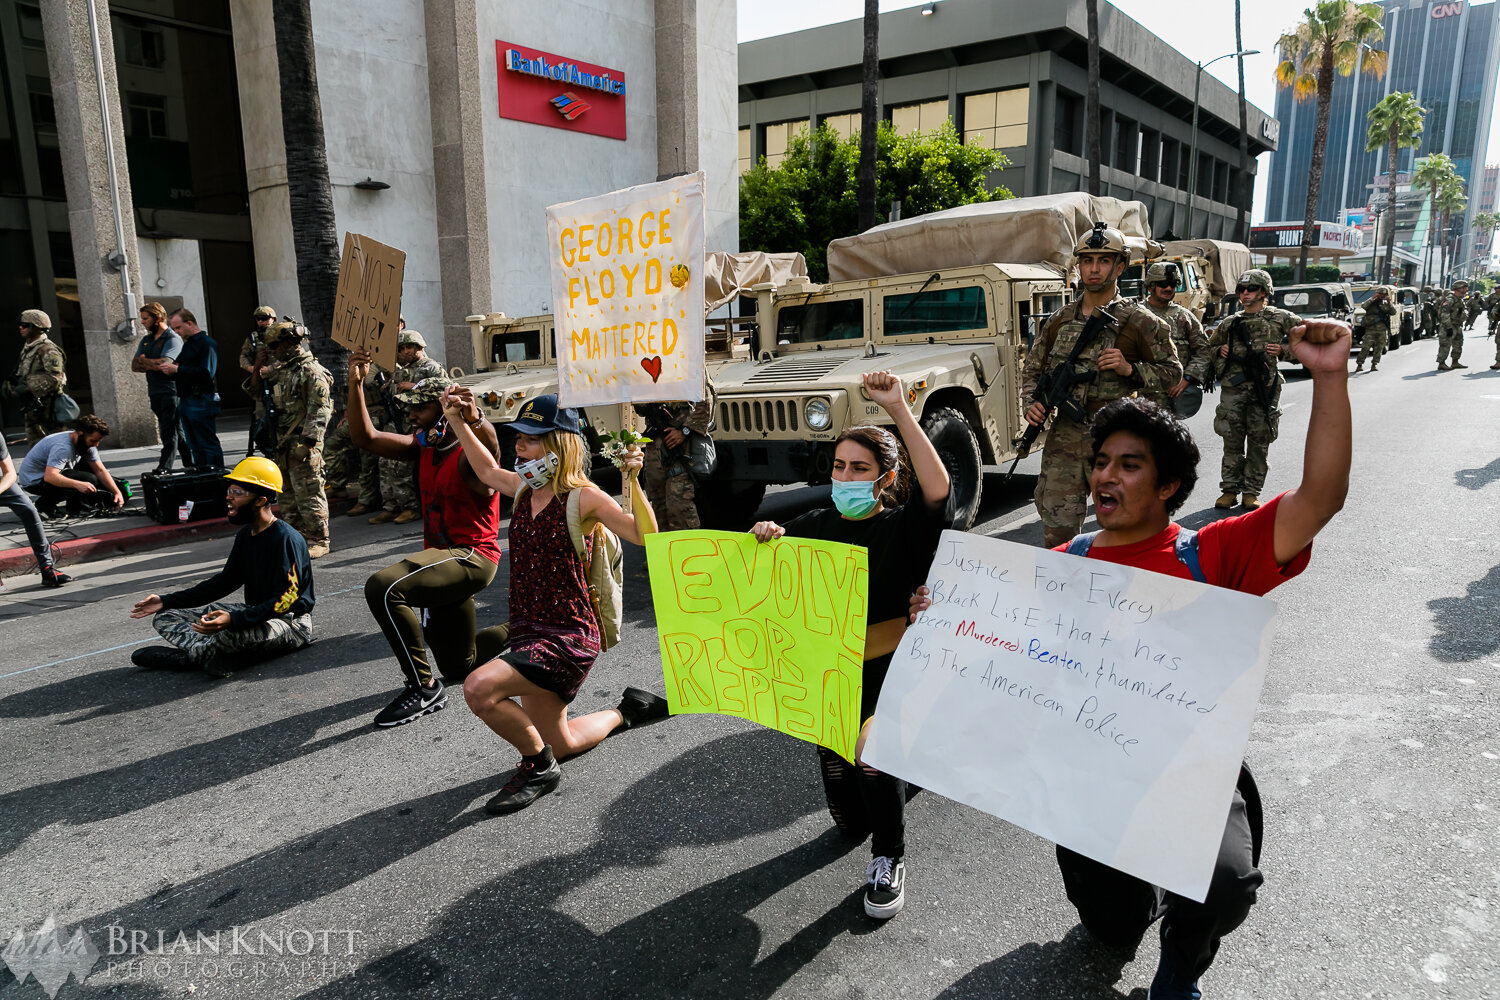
(1334,38)
(1242,196)
(867,120)
(1396,123)
(1432,173)
(1450,201)
(314,232)
(1091,101)
(1485,224)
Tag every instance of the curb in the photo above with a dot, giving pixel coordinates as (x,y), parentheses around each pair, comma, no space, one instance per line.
(111,543)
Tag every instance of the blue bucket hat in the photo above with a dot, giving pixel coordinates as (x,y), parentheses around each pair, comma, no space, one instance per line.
(542,414)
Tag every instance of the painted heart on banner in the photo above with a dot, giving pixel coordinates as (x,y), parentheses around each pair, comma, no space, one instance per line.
(652,366)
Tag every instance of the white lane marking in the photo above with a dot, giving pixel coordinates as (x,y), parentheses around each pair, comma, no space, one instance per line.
(1415,745)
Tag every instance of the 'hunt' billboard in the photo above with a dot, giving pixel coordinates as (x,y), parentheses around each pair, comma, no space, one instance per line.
(558,92)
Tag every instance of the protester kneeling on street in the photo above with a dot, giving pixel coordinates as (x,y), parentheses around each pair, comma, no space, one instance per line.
(66,468)
(876,507)
(1145,464)
(555,634)
(269,560)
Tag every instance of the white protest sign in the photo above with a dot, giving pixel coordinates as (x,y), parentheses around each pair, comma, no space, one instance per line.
(1102,707)
(627,294)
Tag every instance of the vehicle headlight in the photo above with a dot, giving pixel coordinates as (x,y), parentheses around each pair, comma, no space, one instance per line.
(819,417)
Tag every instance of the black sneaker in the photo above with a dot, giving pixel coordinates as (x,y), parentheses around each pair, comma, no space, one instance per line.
(886,892)
(640,707)
(412,703)
(52,578)
(1171,983)
(161,658)
(528,784)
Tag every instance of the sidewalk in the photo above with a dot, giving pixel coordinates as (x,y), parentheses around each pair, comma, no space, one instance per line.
(76,540)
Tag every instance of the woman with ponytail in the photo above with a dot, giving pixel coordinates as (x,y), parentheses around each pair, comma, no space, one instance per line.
(876,505)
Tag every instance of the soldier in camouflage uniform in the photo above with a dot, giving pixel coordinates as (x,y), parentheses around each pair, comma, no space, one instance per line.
(1450,317)
(346,463)
(1248,346)
(1475,306)
(304,405)
(40,375)
(1134,355)
(398,478)
(668,483)
(1429,310)
(1380,316)
(254,357)
(1187,333)
(1492,303)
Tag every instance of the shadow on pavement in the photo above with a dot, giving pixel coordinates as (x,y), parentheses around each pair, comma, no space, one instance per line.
(1427,374)
(102,795)
(1468,627)
(1074,968)
(1478,479)
(171,569)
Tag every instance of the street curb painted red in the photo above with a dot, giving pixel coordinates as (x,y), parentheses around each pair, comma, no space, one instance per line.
(116,542)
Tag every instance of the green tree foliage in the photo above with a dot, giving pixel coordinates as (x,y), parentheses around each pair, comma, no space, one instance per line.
(1285,274)
(811,197)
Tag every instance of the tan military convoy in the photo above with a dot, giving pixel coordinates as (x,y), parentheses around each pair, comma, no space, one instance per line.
(947,301)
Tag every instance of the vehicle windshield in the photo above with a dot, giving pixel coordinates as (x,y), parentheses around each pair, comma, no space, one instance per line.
(514,346)
(1303,301)
(1363,294)
(836,319)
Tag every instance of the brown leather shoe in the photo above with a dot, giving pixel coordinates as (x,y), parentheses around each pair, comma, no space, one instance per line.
(357,510)
(1250,501)
(405,517)
(384,517)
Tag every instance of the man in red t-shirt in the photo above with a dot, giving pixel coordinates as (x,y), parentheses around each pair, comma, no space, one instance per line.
(1145,464)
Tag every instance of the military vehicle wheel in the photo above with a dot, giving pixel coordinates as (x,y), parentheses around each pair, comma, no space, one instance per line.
(845,804)
(957,446)
(727,505)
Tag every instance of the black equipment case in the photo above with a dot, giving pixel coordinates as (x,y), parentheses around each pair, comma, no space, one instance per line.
(167,492)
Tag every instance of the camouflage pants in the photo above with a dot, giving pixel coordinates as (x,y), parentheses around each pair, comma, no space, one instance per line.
(1248,430)
(1375,340)
(674,498)
(1062,490)
(343,463)
(36,428)
(398,480)
(250,644)
(303,504)
(1450,338)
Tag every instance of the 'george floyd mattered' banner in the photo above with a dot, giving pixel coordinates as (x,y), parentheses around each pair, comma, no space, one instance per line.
(627,294)
(1103,707)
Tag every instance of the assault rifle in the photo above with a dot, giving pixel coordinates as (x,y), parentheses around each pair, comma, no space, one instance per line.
(382,380)
(1054,389)
(1255,367)
(263,431)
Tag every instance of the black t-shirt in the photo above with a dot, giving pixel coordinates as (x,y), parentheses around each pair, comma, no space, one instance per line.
(273,567)
(901,541)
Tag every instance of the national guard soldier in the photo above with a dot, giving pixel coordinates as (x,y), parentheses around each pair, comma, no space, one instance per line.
(1492,303)
(1429,310)
(665,473)
(1475,305)
(41,375)
(255,356)
(1450,317)
(1380,315)
(1187,335)
(344,463)
(1126,350)
(398,478)
(304,405)
(1249,415)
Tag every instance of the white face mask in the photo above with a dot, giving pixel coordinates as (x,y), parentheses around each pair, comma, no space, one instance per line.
(538,472)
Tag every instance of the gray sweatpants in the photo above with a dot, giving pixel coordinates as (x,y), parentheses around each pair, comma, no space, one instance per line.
(247,645)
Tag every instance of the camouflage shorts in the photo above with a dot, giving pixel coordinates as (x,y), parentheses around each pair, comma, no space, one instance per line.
(249,644)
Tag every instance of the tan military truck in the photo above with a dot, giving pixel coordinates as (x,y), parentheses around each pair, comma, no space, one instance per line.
(1207,272)
(948,301)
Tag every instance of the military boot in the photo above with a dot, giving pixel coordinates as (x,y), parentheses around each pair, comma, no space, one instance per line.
(1250,501)
(1225,501)
(384,517)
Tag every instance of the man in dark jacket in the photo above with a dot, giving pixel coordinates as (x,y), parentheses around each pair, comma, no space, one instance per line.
(197,397)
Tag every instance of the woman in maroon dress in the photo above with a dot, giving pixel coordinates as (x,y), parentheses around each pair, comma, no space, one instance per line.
(554,634)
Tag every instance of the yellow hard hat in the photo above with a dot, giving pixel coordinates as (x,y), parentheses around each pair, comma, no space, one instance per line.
(257,471)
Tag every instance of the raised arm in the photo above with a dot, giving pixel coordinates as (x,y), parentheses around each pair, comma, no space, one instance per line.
(599,507)
(932,476)
(479,441)
(361,430)
(1323,348)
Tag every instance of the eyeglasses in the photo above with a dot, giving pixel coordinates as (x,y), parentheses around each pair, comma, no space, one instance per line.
(235,491)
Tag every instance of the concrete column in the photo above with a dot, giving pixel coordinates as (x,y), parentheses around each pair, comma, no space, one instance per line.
(453,84)
(119,394)
(676,87)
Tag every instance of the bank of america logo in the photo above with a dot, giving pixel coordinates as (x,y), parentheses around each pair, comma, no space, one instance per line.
(48,958)
(570,106)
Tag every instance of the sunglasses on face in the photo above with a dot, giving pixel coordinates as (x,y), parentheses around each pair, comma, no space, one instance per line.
(1242,289)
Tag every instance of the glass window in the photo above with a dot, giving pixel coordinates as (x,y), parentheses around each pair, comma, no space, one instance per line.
(997,119)
(515,346)
(144,46)
(1303,301)
(145,115)
(912,118)
(837,319)
(935,310)
(779,137)
(31,27)
(746,160)
(1066,133)
(846,126)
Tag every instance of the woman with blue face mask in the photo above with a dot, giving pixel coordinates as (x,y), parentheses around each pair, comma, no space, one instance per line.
(877,506)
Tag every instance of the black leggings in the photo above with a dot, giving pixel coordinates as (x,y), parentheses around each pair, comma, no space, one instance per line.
(50,496)
(441,582)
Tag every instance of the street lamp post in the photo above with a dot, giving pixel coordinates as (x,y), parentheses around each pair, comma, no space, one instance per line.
(1193,152)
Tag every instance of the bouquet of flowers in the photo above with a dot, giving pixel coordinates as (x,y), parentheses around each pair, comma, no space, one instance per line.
(614,446)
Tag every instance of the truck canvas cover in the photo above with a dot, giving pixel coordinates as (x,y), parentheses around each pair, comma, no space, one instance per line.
(1230,260)
(728,275)
(1040,230)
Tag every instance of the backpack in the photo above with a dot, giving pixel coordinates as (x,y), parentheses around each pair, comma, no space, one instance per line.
(1186,547)
(603,568)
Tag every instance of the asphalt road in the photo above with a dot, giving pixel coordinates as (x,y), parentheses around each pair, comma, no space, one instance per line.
(694,858)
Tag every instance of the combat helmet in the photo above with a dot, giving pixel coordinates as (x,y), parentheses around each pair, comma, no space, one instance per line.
(285,330)
(1162,271)
(37,319)
(1102,239)
(1256,278)
(1461,283)
(263,312)
(410,337)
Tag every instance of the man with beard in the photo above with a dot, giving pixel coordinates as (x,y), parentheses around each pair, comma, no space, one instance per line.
(158,345)
(269,560)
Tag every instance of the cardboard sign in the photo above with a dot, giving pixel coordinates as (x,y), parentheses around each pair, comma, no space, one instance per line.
(772,632)
(1103,707)
(367,311)
(627,294)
